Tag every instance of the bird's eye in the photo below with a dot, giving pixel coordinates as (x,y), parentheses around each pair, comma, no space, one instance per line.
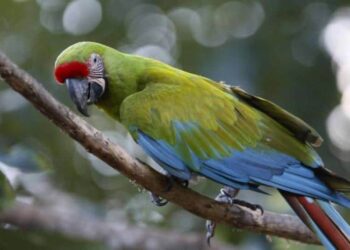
(94,59)
(96,67)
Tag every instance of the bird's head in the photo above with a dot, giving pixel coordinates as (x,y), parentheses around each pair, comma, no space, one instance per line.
(81,68)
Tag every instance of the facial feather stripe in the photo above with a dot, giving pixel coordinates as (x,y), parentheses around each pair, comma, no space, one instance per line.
(96,66)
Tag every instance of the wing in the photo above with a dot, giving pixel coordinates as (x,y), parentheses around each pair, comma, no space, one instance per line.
(189,124)
(301,130)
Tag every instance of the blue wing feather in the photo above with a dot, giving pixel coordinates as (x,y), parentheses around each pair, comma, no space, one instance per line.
(165,156)
(245,170)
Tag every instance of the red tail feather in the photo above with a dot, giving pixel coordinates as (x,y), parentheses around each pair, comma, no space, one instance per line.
(304,208)
(325,224)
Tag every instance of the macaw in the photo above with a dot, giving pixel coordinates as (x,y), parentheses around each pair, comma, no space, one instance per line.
(192,125)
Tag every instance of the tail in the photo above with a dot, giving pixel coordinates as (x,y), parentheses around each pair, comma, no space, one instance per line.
(322,218)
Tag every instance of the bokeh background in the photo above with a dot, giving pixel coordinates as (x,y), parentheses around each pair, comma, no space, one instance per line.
(295,53)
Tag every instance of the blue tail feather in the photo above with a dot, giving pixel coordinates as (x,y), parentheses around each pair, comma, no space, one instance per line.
(335,217)
(321,236)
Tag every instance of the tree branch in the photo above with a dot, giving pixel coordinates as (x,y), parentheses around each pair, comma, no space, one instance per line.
(113,235)
(95,142)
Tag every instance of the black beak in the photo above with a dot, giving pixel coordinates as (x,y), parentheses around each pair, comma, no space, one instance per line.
(83,93)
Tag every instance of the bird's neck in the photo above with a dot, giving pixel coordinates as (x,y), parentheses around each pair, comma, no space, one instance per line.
(125,76)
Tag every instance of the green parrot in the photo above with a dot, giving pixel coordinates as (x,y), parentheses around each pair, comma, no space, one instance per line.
(192,125)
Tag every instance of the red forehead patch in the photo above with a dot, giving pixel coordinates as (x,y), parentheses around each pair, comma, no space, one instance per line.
(73,69)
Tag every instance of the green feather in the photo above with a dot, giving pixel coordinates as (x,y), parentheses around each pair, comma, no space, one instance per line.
(225,121)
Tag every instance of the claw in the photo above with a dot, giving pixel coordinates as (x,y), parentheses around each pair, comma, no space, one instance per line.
(253,207)
(184,183)
(158,201)
(210,225)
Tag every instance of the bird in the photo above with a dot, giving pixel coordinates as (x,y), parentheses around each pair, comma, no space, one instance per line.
(192,125)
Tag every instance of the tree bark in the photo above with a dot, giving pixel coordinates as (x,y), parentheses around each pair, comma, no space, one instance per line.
(283,225)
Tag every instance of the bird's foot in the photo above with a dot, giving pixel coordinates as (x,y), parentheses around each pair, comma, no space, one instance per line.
(157,200)
(227,195)
(184,183)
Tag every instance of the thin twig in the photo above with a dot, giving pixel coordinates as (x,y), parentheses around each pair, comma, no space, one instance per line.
(95,142)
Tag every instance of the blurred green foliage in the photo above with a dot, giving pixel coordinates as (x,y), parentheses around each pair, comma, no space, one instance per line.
(273,50)
(7,194)
(16,239)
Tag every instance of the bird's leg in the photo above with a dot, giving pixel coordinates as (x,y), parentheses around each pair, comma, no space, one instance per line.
(226,195)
